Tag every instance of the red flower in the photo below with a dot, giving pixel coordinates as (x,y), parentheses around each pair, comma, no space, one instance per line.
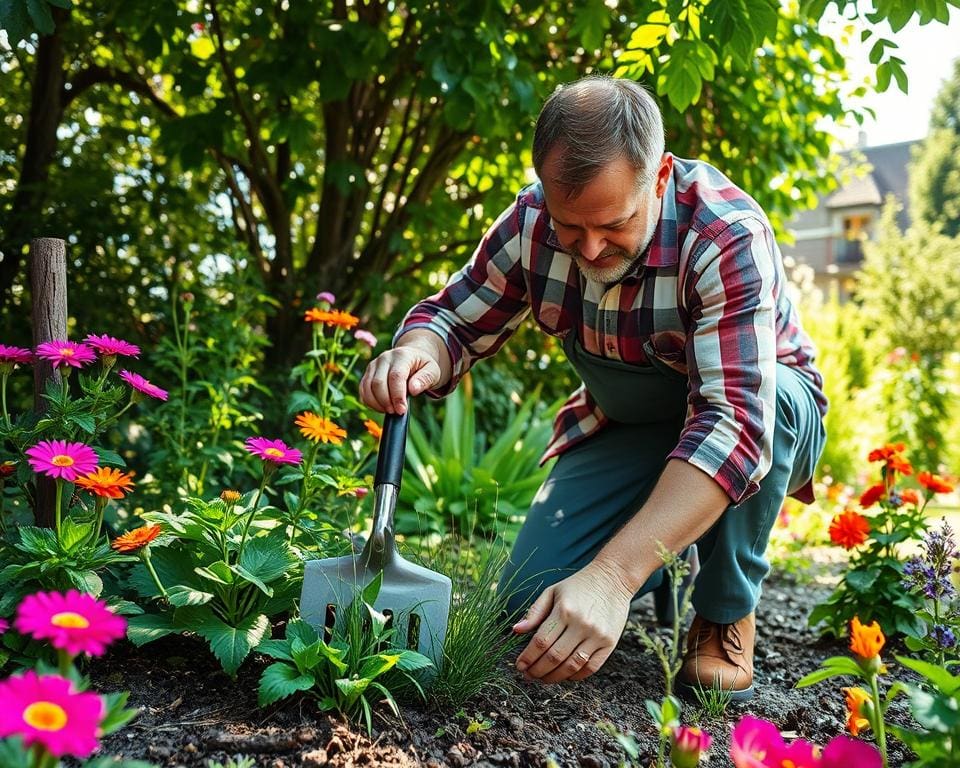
(910,496)
(885,453)
(872,495)
(849,529)
(935,483)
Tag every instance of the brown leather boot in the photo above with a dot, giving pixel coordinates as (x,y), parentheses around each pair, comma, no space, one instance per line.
(719,656)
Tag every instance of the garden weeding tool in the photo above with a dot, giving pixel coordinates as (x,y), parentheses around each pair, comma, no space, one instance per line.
(417,598)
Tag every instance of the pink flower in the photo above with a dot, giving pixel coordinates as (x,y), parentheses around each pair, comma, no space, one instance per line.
(47,710)
(140,384)
(275,451)
(800,754)
(64,353)
(74,622)
(108,345)
(366,337)
(327,297)
(11,356)
(4,626)
(688,744)
(62,460)
(844,752)
(755,743)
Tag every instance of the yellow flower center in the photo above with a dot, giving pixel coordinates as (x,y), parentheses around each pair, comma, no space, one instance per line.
(69,620)
(45,716)
(66,352)
(274,452)
(62,460)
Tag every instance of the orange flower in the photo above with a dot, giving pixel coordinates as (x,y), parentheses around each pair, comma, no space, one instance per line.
(332,367)
(856,698)
(872,495)
(934,483)
(849,529)
(315,315)
(319,429)
(373,429)
(230,496)
(910,496)
(136,539)
(865,641)
(887,452)
(341,319)
(899,464)
(106,482)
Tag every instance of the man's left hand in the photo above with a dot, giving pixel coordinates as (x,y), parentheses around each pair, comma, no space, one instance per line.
(579,622)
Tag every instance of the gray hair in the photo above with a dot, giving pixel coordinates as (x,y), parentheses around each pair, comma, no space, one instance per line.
(596,120)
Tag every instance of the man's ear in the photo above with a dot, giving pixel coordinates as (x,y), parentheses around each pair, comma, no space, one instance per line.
(663,173)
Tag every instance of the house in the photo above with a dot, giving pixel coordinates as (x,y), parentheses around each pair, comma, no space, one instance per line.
(830,237)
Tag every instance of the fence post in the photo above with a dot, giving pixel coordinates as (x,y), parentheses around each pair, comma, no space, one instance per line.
(48,286)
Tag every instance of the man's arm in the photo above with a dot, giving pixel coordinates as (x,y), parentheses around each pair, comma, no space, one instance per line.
(582,617)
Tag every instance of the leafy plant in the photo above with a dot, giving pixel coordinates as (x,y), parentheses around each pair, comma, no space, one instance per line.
(217,580)
(872,585)
(935,705)
(342,673)
(455,486)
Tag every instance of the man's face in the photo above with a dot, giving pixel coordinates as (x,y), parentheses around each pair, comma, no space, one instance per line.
(609,225)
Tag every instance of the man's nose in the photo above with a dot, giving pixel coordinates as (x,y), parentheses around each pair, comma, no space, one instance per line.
(591,246)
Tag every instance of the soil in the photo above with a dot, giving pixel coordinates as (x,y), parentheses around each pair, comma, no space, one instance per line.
(191,712)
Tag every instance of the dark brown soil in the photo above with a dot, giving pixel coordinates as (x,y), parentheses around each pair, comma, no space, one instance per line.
(192,712)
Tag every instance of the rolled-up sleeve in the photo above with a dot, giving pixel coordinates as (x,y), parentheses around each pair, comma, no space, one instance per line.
(730,294)
(482,304)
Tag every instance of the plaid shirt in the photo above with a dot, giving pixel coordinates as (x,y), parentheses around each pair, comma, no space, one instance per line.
(709,300)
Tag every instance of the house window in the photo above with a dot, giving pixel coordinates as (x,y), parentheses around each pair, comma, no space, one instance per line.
(855,231)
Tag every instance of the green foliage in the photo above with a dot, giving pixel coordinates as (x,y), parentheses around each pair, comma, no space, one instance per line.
(935,170)
(872,585)
(478,635)
(213,579)
(935,706)
(348,673)
(457,487)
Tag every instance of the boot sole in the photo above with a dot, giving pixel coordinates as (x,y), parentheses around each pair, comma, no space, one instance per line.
(689,691)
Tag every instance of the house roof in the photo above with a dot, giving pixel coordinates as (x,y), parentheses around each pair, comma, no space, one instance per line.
(887,174)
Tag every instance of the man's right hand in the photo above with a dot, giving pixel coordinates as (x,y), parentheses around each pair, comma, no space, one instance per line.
(407,369)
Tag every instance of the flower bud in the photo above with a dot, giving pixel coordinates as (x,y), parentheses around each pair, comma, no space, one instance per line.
(688,744)
(231,497)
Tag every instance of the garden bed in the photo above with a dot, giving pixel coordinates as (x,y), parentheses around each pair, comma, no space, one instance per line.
(191,712)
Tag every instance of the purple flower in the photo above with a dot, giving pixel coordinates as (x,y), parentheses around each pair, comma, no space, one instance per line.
(929,573)
(327,297)
(943,636)
(366,337)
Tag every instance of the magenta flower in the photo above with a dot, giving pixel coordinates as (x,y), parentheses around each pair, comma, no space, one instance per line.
(366,337)
(66,353)
(4,626)
(47,710)
(140,384)
(74,622)
(273,450)
(327,297)
(688,744)
(108,345)
(12,356)
(755,743)
(62,460)
(844,752)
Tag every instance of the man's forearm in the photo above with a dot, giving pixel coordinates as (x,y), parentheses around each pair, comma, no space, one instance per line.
(683,506)
(432,344)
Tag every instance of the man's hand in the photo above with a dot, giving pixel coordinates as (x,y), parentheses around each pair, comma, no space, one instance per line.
(580,621)
(394,374)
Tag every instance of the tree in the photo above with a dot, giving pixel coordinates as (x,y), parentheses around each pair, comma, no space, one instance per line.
(935,169)
(353,147)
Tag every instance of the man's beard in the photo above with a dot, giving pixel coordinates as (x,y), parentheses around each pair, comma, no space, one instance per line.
(608,275)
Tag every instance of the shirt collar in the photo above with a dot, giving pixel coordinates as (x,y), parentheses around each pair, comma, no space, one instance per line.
(663,251)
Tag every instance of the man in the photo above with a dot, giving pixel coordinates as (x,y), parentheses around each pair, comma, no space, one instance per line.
(701,408)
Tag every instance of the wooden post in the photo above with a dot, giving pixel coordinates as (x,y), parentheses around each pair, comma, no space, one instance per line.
(48,286)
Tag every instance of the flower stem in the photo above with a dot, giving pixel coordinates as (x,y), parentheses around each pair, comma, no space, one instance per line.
(253,511)
(3,393)
(56,509)
(145,556)
(878,715)
(64,660)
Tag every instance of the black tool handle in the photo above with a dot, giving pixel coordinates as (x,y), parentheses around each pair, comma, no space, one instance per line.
(392,444)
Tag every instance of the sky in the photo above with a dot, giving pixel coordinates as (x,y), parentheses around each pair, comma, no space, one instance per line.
(929,52)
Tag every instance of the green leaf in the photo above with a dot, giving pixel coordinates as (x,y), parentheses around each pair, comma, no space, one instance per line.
(862,580)
(218,572)
(832,667)
(12,752)
(85,581)
(85,422)
(277,649)
(148,627)
(73,534)
(267,558)
(411,661)
(941,678)
(40,15)
(231,645)
(38,541)
(280,680)
(591,19)
(934,712)
(243,573)
(107,457)
(16,21)
(180,596)
(117,714)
